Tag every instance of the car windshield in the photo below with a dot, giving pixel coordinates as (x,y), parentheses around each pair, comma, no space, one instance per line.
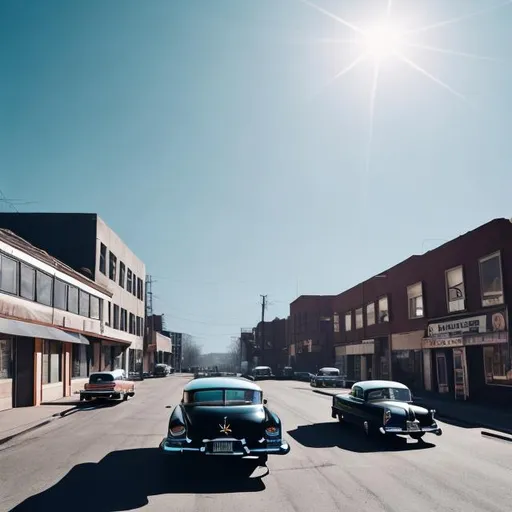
(398,394)
(262,371)
(101,377)
(328,373)
(223,397)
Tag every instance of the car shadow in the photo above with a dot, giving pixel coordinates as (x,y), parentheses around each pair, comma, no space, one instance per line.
(347,437)
(125,479)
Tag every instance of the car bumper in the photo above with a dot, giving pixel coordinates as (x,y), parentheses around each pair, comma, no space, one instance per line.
(100,394)
(240,448)
(404,431)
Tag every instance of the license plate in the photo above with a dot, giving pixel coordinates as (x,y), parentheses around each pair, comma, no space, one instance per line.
(222,446)
(411,425)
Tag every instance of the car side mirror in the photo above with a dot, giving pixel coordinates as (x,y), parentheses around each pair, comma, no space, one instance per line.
(265,401)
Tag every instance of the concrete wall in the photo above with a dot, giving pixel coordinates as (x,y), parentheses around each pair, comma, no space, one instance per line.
(5,394)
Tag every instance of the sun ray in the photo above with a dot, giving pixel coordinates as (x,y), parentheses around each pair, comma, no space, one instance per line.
(333,16)
(458,19)
(351,66)
(432,77)
(450,52)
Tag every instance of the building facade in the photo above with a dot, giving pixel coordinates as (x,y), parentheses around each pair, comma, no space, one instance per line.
(85,243)
(52,326)
(271,340)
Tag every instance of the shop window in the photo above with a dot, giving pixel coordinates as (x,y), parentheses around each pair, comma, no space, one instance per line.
(79,357)
(8,275)
(103,259)
(122,274)
(44,288)
(84,304)
(73,299)
(27,282)
(129,281)
(95,310)
(60,294)
(415,300)
(112,266)
(383,310)
(370,313)
(455,292)
(116,316)
(491,280)
(5,357)
(52,371)
(359,318)
(498,364)
(348,321)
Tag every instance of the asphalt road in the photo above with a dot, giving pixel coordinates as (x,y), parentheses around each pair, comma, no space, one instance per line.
(106,459)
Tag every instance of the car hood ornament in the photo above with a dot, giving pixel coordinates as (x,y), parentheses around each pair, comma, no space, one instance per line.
(225,429)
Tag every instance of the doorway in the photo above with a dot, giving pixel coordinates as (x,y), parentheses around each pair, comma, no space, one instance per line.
(442,373)
(23,381)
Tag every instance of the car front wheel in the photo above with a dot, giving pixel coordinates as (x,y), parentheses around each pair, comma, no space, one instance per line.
(417,435)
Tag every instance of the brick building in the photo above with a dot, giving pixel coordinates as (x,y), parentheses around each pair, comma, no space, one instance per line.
(271,340)
(437,322)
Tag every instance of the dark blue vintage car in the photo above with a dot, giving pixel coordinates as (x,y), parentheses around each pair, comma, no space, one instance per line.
(385,407)
(224,416)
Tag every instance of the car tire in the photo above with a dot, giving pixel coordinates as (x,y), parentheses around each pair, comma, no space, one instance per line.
(417,435)
(125,397)
(262,459)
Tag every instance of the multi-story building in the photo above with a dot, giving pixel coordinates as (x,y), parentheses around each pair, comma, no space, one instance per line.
(271,340)
(177,357)
(85,243)
(312,324)
(52,329)
(437,322)
(159,346)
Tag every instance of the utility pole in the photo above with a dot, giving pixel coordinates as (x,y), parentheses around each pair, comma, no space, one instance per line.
(263,307)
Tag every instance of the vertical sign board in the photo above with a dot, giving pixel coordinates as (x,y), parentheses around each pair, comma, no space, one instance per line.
(460,373)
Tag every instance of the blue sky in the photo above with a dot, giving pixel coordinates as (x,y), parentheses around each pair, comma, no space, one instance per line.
(207,135)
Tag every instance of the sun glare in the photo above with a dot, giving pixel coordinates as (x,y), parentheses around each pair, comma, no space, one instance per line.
(382,41)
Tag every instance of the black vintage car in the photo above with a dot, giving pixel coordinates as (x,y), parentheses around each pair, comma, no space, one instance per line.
(224,416)
(385,407)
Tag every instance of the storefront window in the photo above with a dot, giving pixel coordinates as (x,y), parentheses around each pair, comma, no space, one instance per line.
(52,372)
(79,357)
(497,364)
(8,274)
(5,358)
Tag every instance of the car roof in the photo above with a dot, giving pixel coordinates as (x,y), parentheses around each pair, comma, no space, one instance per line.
(220,382)
(113,372)
(261,367)
(329,369)
(377,384)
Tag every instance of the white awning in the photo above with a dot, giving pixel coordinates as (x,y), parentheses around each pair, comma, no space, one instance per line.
(27,329)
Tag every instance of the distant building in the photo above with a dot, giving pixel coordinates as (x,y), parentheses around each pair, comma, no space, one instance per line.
(159,347)
(271,341)
(85,243)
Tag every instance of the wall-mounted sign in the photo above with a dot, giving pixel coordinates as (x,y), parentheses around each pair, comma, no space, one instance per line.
(442,342)
(451,327)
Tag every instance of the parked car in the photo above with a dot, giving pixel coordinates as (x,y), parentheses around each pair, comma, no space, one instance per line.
(224,416)
(285,373)
(385,407)
(262,372)
(327,377)
(161,370)
(303,376)
(110,385)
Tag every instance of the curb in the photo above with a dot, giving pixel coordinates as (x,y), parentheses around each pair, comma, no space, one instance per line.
(326,393)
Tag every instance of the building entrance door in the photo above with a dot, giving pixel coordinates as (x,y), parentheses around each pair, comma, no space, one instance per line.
(442,373)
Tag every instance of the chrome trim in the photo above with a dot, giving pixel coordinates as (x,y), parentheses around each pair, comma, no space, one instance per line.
(173,446)
(399,430)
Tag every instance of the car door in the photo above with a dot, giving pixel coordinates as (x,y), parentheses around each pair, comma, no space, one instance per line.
(350,406)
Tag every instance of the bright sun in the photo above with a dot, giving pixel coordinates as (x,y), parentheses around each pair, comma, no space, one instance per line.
(382,41)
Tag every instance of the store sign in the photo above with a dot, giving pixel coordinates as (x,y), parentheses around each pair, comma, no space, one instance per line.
(442,342)
(470,324)
(491,338)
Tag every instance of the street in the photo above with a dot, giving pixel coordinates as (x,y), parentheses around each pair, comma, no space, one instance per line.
(106,459)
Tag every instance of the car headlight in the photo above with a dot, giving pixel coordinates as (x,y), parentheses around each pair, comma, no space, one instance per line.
(272,431)
(177,430)
(387,416)
(432,412)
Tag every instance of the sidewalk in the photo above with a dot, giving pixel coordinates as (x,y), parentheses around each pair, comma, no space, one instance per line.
(14,422)
(462,414)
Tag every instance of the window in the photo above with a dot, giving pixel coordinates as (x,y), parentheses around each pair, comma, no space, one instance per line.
(455,289)
(383,310)
(95,308)
(140,291)
(498,364)
(132,324)
(134,285)
(27,282)
(5,357)
(60,294)
(112,266)
(51,362)
(123,319)
(348,321)
(116,316)
(8,275)
(370,313)
(122,272)
(79,361)
(129,281)
(359,318)
(109,313)
(44,288)
(103,259)
(84,304)
(491,280)
(415,300)
(73,299)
